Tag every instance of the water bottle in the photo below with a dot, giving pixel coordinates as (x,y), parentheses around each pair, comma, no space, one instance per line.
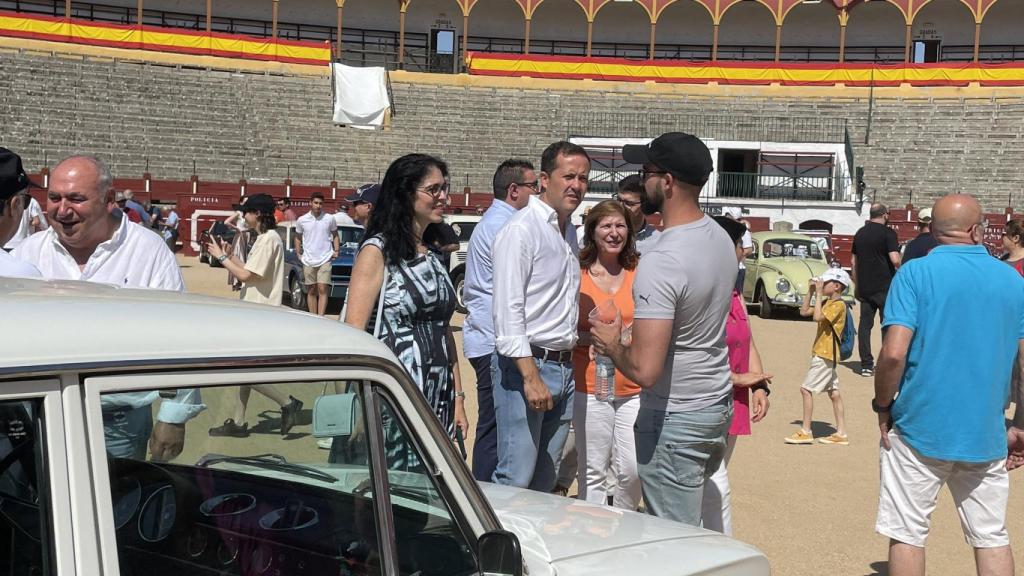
(604,386)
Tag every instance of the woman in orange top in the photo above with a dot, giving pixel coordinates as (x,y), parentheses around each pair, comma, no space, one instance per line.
(604,430)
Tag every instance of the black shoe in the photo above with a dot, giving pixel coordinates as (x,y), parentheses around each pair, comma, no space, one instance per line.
(229,428)
(289,414)
(867,372)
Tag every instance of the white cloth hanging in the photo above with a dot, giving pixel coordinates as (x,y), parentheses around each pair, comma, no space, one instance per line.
(360,96)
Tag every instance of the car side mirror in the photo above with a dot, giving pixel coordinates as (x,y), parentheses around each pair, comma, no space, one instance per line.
(500,554)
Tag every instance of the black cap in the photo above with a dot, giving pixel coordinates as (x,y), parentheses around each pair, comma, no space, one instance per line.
(12,175)
(365,193)
(734,229)
(682,155)
(263,203)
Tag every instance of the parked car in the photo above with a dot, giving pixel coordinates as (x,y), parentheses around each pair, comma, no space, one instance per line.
(463,224)
(779,269)
(341,267)
(391,496)
(220,229)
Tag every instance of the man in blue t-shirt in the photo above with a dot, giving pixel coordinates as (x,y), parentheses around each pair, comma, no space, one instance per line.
(955,322)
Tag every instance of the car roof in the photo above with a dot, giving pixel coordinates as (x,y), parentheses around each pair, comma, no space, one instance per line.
(761,236)
(50,324)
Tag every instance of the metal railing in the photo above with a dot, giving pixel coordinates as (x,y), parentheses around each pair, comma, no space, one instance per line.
(380,47)
(778,187)
(719,127)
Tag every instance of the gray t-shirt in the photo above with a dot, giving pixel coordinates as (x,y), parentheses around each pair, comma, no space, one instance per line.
(646,237)
(688,277)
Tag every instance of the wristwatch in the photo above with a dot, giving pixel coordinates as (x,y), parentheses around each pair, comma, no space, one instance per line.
(880,409)
(222,258)
(460,394)
(761,386)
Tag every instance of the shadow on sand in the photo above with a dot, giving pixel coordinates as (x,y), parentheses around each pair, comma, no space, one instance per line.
(270,423)
(880,568)
(818,429)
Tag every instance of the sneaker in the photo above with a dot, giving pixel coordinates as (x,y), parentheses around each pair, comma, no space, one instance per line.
(229,428)
(800,437)
(325,443)
(289,414)
(867,372)
(835,439)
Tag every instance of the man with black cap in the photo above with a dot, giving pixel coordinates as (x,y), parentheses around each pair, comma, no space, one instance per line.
(14,198)
(363,202)
(678,355)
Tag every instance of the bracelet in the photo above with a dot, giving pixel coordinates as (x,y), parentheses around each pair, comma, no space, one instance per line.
(460,394)
(761,386)
(222,258)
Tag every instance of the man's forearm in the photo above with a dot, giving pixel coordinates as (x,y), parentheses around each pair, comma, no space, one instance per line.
(623,358)
(887,379)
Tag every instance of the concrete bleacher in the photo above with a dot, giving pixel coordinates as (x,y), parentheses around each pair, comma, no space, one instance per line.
(265,127)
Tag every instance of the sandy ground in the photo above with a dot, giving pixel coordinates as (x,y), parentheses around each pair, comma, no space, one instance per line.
(810,509)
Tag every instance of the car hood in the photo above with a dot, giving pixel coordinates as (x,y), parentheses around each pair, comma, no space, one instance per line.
(796,270)
(564,536)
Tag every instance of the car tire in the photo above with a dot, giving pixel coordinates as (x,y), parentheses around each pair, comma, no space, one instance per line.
(204,258)
(765,301)
(459,281)
(296,295)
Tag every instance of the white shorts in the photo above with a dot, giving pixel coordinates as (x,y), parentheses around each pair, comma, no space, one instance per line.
(910,489)
(821,376)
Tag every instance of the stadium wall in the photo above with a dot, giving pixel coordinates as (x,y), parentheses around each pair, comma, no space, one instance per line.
(165,116)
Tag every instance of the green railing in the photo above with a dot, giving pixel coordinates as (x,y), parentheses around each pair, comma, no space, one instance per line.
(775,187)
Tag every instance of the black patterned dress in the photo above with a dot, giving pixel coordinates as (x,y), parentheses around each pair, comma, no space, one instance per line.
(419,301)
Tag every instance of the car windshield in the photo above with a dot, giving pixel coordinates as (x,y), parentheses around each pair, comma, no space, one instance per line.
(350,235)
(792,248)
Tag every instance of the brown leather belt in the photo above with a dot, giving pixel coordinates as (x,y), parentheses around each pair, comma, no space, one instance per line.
(551,355)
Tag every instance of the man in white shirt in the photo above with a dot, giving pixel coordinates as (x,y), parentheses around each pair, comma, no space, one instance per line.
(316,244)
(629,195)
(535,311)
(678,356)
(14,185)
(514,183)
(736,213)
(32,221)
(88,241)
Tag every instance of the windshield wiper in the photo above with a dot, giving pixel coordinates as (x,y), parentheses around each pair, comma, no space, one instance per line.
(272,462)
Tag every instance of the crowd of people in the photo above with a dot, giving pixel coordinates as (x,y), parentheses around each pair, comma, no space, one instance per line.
(635,338)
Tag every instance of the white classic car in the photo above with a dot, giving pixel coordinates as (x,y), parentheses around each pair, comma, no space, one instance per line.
(96,381)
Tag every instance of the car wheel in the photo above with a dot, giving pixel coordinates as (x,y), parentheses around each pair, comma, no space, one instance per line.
(460,283)
(204,258)
(766,304)
(296,295)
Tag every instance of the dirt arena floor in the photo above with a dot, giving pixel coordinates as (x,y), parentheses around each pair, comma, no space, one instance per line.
(810,509)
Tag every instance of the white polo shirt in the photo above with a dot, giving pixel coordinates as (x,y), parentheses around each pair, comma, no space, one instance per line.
(134,257)
(536,283)
(316,238)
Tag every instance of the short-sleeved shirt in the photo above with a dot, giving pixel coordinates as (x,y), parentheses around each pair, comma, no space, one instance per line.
(11,267)
(646,237)
(825,343)
(967,312)
(872,245)
(266,259)
(919,247)
(33,210)
(688,277)
(317,235)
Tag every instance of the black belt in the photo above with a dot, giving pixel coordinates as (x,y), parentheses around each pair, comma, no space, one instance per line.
(551,355)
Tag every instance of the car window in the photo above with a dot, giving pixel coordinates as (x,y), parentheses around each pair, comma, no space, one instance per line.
(464,230)
(351,235)
(285,237)
(792,248)
(25,514)
(427,537)
(242,497)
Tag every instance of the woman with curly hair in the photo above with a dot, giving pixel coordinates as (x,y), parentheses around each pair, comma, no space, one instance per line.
(604,428)
(393,263)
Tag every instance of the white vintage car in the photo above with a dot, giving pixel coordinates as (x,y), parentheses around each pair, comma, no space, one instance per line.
(89,373)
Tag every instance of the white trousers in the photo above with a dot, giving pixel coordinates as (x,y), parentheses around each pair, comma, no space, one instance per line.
(716,509)
(605,446)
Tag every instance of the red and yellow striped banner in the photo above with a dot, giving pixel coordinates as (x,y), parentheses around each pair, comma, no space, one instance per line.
(163,39)
(752,73)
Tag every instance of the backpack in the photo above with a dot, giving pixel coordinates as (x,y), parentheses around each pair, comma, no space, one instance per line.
(844,342)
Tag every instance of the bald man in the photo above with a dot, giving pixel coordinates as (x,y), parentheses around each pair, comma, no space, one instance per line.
(955,322)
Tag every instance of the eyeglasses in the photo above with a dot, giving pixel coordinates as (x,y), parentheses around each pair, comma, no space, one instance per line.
(627,203)
(435,190)
(645,173)
(534,185)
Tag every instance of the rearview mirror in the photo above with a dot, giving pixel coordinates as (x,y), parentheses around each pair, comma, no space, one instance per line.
(499,554)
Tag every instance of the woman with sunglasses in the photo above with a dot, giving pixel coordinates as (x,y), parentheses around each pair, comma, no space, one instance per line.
(418,298)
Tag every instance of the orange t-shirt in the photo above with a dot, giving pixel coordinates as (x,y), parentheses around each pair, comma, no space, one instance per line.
(590,297)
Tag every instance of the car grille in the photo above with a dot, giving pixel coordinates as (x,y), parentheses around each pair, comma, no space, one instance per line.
(460,257)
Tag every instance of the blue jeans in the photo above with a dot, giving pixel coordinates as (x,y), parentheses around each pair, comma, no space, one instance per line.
(529,442)
(485,448)
(127,431)
(676,453)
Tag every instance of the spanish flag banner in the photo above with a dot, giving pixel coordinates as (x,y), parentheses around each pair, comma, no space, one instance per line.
(163,39)
(751,73)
